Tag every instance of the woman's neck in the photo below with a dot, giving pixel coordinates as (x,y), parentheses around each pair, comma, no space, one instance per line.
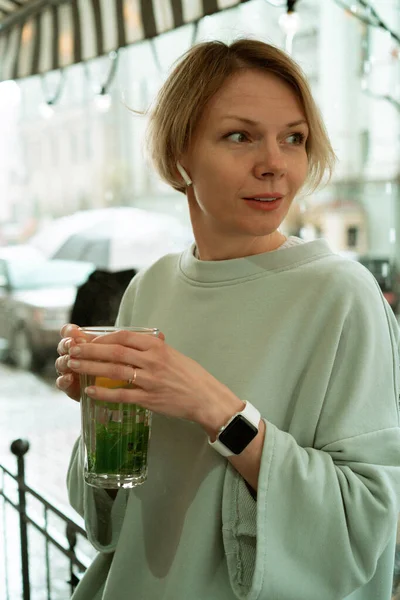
(206,254)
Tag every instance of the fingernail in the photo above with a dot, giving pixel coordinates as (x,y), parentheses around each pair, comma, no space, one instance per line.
(65,381)
(73,364)
(80,341)
(74,351)
(90,391)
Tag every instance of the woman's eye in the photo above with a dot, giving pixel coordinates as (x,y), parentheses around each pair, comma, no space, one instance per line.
(296,139)
(237,136)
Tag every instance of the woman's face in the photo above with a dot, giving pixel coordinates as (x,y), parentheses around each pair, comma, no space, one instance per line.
(248,146)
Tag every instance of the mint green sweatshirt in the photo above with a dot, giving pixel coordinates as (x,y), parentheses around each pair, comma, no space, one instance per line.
(307,337)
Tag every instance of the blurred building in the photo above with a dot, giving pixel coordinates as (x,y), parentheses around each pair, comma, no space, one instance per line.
(87,150)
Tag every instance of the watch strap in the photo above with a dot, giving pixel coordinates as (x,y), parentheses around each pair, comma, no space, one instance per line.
(250,413)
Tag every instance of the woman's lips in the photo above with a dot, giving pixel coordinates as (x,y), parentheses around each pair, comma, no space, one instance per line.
(265,196)
(264,205)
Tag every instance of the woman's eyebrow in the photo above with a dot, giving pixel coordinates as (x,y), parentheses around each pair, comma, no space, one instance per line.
(251,122)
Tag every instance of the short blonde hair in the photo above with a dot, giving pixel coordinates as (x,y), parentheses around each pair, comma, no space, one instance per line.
(199,74)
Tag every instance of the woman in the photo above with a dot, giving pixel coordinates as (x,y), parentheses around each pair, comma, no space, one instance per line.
(298,498)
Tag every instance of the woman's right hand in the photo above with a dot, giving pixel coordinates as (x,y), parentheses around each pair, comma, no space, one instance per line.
(68,381)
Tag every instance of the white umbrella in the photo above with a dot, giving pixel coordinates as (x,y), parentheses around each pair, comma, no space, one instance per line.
(117,239)
(52,235)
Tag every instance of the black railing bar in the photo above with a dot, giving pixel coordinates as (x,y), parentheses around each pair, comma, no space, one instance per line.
(48,536)
(78,529)
(48,505)
(48,578)
(23,529)
(53,508)
(51,505)
(8,472)
(79,562)
(7,499)
(5,540)
(73,556)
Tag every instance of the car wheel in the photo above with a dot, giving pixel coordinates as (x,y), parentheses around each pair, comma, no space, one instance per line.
(22,353)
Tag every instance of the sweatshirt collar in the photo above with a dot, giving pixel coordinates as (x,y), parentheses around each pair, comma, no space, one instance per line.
(210,271)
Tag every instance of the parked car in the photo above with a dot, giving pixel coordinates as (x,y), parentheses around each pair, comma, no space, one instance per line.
(36,297)
(387,275)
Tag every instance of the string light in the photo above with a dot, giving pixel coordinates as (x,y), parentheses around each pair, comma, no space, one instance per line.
(46,110)
(290,23)
(102,102)
(103,99)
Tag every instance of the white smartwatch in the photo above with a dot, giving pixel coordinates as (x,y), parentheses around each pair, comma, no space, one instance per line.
(238,432)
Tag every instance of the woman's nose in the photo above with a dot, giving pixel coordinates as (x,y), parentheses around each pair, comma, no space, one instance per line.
(271,162)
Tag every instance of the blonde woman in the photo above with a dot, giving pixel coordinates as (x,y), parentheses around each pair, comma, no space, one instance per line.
(274,460)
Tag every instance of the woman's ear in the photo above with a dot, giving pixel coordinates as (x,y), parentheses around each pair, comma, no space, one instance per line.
(184,174)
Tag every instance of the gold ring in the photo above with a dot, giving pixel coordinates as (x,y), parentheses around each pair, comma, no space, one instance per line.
(133,379)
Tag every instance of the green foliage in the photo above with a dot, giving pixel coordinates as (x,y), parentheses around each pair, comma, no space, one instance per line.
(120,447)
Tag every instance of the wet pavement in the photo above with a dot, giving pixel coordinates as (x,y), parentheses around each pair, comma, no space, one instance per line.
(32,408)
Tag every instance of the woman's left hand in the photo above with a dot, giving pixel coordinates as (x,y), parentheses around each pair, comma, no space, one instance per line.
(168,382)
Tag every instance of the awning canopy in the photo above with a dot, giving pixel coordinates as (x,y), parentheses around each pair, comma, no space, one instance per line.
(37,36)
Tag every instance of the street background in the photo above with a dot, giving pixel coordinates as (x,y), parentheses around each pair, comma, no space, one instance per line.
(32,408)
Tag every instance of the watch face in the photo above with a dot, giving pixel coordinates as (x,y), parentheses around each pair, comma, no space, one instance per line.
(238,434)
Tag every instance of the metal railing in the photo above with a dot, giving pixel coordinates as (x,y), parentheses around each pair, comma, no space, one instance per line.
(66,545)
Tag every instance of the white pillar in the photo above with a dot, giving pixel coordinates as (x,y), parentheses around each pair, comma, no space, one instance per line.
(383,117)
(339,93)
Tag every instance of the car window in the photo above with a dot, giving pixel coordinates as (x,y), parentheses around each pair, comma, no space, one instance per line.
(3,275)
(382,270)
(49,273)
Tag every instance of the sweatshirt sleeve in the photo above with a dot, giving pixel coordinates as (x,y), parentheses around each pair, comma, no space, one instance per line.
(326,514)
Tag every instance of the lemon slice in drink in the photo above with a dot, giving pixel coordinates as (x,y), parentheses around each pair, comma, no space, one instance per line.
(111,384)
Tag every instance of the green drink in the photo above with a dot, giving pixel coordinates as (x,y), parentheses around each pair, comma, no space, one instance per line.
(115,436)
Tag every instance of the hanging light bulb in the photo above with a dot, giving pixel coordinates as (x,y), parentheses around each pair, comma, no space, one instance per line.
(290,23)
(46,109)
(102,99)
(102,102)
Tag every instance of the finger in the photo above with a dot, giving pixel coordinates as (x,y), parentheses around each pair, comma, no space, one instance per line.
(61,364)
(67,384)
(66,343)
(127,396)
(102,369)
(68,330)
(64,381)
(114,353)
(74,331)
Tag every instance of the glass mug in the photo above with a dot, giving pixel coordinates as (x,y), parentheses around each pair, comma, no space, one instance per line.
(115,436)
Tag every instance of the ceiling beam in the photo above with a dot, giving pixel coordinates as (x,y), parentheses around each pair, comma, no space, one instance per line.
(16,2)
(26,10)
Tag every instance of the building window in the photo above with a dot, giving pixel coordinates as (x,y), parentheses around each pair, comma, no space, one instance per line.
(352,236)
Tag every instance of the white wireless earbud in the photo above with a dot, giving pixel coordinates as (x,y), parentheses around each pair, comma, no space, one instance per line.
(185,176)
